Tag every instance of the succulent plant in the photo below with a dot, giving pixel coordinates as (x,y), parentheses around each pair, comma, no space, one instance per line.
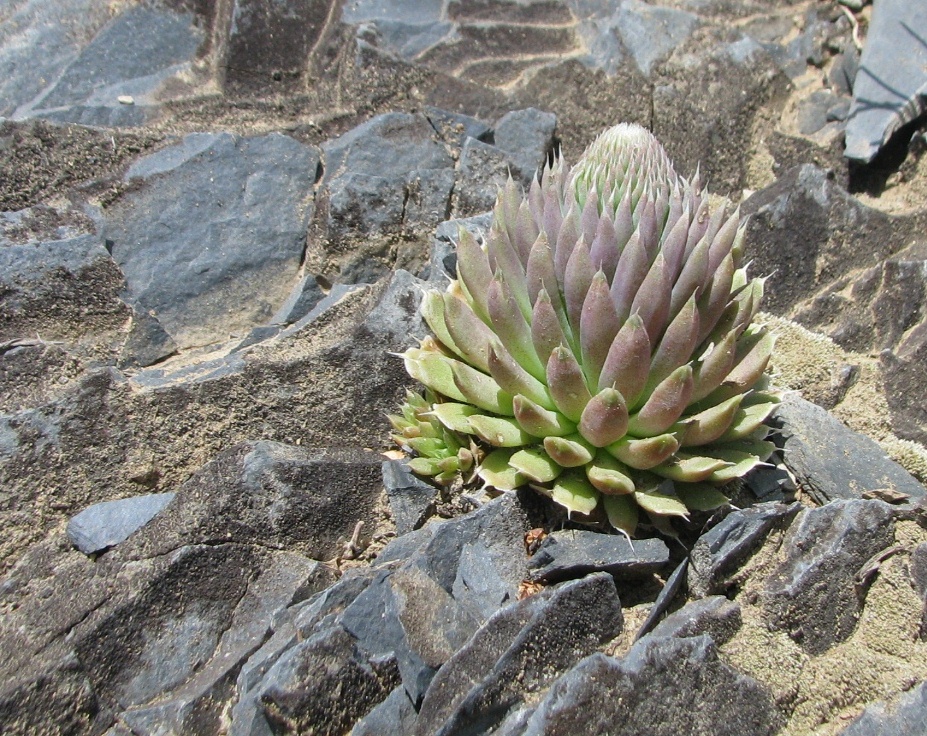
(600,345)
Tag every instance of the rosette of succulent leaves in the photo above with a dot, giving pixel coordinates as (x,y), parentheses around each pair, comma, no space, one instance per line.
(599,346)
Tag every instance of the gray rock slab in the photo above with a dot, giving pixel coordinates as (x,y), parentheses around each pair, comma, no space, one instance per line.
(299,499)
(197,706)
(891,84)
(728,544)
(343,685)
(714,616)
(374,620)
(59,288)
(396,715)
(671,588)
(147,343)
(131,56)
(519,650)
(905,717)
(455,128)
(817,591)
(573,553)
(269,43)
(304,296)
(830,461)
(662,687)
(123,632)
(411,500)
(651,33)
(482,170)
(212,233)
(527,136)
(43,38)
(386,174)
(106,524)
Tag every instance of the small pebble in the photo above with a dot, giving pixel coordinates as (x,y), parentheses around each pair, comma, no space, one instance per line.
(126,100)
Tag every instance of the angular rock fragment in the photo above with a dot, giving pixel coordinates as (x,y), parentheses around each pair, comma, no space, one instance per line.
(906,717)
(411,500)
(518,651)
(573,553)
(830,461)
(324,685)
(727,544)
(891,85)
(662,687)
(105,524)
(816,593)
(209,237)
(714,616)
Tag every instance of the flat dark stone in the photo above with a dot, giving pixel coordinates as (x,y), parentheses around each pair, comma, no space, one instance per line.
(905,717)
(106,524)
(891,85)
(698,694)
(573,553)
(831,461)
(519,650)
(815,593)
(727,544)
(411,500)
(715,616)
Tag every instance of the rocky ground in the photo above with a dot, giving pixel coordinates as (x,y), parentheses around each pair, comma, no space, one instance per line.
(216,221)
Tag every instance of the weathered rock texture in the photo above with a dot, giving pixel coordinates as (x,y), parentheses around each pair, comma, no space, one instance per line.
(216,223)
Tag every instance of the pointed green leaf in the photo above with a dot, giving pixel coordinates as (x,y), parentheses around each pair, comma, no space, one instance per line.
(455,416)
(609,476)
(575,494)
(622,513)
(496,471)
(660,504)
(535,464)
(570,452)
(541,422)
(479,389)
(643,454)
(701,496)
(689,468)
(500,431)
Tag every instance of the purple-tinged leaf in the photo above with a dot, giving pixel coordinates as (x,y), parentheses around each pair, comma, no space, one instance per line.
(629,275)
(541,422)
(589,219)
(546,330)
(648,229)
(502,257)
(598,327)
(470,334)
(577,280)
(677,345)
(566,384)
(710,424)
(713,302)
(693,279)
(473,270)
(566,239)
(540,269)
(513,329)
(664,406)
(674,244)
(644,453)
(526,232)
(711,369)
(605,418)
(652,300)
(723,241)
(627,364)
(604,252)
(514,379)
